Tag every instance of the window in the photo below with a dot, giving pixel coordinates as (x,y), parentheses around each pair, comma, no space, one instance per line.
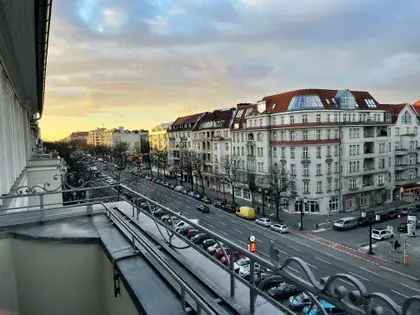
(318,118)
(283,152)
(328,117)
(328,134)
(282,120)
(329,184)
(329,169)
(381,180)
(306,170)
(397,131)
(306,186)
(318,170)
(281,135)
(336,167)
(305,134)
(336,150)
(304,118)
(259,136)
(274,152)
(328,151)
(318,187)
(305,152)
(381,147)
(226,146)
(333,204)
(318,134)
(336,184)
(275,135)
(292,120)
(242,151)
(353,183)
(292,152)
(318,152)
(381,163)
(293,169)
(292,135)
(260,166)
(406,118)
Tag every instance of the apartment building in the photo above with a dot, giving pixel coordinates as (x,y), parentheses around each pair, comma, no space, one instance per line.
(78,136)
(96,137)
(180,140)
(404,145)
(211,145)
(158,137)
(137,140)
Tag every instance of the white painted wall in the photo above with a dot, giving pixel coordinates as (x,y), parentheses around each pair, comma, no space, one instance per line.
(41,277)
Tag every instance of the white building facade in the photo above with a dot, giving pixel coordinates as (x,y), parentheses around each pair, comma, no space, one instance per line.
(135,139)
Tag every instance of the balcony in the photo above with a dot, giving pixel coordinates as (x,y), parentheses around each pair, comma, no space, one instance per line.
(400,151)
(369,132)
(369,147)
(306,160)
(401,167)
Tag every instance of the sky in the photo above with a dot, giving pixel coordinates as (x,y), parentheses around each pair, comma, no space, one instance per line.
(138,63)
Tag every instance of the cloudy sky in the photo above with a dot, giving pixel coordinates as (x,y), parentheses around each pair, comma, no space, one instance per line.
(136,63)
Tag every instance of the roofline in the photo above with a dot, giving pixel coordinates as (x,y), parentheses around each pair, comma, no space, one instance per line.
(42,19)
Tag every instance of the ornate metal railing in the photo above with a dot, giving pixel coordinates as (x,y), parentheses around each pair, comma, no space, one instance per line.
(345,291)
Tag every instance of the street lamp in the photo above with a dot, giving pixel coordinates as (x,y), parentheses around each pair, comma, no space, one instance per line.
(371,216)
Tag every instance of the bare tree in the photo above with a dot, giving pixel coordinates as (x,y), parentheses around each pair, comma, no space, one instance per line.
(231,176)
(197,163)
(186,166)
(280,186)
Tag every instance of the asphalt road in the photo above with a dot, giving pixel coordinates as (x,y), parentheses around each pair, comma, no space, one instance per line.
(323,260)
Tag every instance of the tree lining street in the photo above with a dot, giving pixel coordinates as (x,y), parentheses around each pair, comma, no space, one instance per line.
(324,261)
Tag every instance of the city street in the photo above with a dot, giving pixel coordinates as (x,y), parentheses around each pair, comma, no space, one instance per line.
(322,259)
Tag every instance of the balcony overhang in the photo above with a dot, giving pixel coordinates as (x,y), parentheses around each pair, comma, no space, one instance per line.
(24,31)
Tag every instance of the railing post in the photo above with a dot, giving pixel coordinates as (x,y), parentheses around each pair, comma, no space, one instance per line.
(252,289)
(89,207)
(232,277)
(41,201)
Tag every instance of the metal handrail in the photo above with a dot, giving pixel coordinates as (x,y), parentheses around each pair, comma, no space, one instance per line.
(134,236)
(361,302)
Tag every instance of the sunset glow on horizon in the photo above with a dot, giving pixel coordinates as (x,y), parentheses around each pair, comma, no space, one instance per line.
(140,63)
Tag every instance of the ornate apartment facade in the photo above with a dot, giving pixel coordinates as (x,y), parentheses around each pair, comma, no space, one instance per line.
(341,150)
(158,137)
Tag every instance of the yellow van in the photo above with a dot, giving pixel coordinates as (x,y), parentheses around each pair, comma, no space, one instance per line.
(246,213)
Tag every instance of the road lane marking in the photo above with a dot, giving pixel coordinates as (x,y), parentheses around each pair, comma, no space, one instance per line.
(400,273)
(399,293)
(367,270)
(358,276)
(323,260)
(409,287)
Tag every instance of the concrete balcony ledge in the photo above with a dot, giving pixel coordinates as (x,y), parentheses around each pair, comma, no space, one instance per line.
(44,162)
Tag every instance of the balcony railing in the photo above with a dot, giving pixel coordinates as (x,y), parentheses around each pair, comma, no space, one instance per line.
(344,291)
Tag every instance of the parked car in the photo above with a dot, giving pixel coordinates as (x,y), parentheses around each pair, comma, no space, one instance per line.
(283,291)
(298,302)
(184,230)
(208,243)
(198,238)
(192,232)
(263,221)
(362,221)
(178,188)
(203,208)
(346,223)
(382,234)
(240,262)
(181,224)
(328,307)
(220,252)
(390,215)
(281,228)
(212,249)
(206,200)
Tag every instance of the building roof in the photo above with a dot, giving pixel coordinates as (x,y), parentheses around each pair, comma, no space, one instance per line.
(243,110)
(161,127)
(394,109)
(79,133)
(186,122)
(220,118)
(305,99)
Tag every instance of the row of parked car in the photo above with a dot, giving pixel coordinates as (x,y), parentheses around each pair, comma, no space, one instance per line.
(275,286)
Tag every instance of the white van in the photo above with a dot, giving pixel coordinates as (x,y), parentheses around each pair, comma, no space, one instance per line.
(346,223)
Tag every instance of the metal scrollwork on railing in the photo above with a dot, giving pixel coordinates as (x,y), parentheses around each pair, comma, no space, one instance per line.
(351,294)
(27,190)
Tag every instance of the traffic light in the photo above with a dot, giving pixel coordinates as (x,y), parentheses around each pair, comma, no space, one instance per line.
(252,246)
